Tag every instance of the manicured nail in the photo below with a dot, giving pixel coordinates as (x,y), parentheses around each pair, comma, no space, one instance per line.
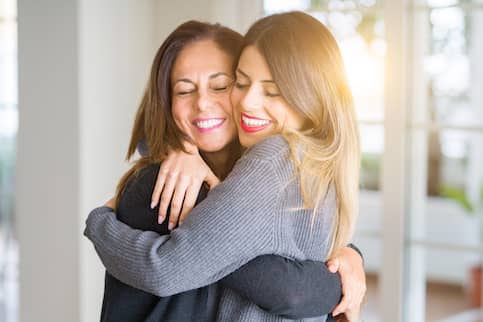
(153,204)
(170,225)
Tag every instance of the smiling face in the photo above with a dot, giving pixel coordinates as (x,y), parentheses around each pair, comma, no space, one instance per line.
(201,83)
(259,108)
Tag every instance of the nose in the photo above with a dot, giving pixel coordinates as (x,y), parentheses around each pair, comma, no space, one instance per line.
(252,99)
(204,100)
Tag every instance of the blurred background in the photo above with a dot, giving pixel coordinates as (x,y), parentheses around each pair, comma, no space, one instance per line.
(71,76)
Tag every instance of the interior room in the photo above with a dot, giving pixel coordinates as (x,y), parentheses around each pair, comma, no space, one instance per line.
(72,74)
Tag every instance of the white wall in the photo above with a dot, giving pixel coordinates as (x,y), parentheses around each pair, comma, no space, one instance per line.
(116,46)
(83,65)
(47,196)
(236,14)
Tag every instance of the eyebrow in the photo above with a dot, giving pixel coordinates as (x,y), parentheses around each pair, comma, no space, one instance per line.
(238,70)
(219,74)
(262,81)
(187,80)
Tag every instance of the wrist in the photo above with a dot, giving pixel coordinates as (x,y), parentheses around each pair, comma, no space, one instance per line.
(356,251)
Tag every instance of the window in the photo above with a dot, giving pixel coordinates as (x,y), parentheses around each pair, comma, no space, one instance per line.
(445,136)
(437,46)
(8,130)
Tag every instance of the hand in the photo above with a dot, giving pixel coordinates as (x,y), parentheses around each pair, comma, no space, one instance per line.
(352,315)
(350,267)
(111,203)
(348,316)
(179,181)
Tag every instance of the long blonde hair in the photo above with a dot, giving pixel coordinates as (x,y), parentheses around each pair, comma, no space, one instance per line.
(307,66)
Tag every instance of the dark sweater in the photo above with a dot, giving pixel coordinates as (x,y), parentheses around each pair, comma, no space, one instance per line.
(276,284)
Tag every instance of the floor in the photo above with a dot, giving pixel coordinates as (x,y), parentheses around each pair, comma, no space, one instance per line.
(443,301)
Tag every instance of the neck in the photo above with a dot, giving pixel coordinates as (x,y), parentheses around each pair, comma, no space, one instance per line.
(221,162)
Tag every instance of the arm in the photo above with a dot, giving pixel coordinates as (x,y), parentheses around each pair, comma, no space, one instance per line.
(292,289)
(349,264)
(255,280)
(220,235)
(308,288)
(300,289)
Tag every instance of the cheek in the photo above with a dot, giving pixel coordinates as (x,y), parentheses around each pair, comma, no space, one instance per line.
(181,112)
(223,101)
(226,105)
(293,119)
(235,98)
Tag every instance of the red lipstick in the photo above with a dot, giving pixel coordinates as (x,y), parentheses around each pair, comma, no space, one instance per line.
(252,128)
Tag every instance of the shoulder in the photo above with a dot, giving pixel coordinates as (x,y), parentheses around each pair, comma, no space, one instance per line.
(269,159)
(145,176)
(272,148)
(141,182)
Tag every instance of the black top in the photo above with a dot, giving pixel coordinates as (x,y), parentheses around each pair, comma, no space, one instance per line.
(308,288)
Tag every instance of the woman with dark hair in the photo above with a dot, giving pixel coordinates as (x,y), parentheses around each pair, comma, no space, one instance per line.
(203,64)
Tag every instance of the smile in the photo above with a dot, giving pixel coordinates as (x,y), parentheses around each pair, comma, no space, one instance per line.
(205,125)
(253,124)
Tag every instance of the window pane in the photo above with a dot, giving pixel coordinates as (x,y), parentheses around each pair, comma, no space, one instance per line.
(372,146)
(361,39)
(8,130)
(359,29)
(454,67)
(444,218)
(447,297)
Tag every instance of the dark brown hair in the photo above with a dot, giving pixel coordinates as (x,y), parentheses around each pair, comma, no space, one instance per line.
(154,123)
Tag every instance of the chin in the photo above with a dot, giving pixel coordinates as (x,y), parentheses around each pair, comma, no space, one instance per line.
(246,141)
(211,148)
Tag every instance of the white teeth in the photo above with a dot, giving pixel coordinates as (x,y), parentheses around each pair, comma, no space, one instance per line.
(252,122)
(208,123)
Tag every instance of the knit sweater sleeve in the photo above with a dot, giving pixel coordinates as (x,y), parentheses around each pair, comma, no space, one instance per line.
(291,289)
(233,225)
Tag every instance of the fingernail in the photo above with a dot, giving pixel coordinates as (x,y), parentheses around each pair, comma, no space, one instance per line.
(332,268)
(170,225)
(160,220)
(153,204)
(180,223)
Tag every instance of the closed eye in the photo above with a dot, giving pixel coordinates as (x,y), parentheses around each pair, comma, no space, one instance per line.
(182,93)
(240,85)
(269,94)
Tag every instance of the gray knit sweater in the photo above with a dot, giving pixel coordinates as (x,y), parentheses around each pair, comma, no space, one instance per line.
(255,211)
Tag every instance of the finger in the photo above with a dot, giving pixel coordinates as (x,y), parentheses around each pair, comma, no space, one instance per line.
(158,188)
(353,314)
(212,180)
(177,202)
(167,194)
(190,199)
(342,306)
(333,265)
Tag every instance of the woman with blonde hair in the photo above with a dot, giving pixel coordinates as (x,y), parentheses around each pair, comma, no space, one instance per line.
(293,193)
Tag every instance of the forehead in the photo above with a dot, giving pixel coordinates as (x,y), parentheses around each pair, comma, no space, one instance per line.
(253,63)
(201,57)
